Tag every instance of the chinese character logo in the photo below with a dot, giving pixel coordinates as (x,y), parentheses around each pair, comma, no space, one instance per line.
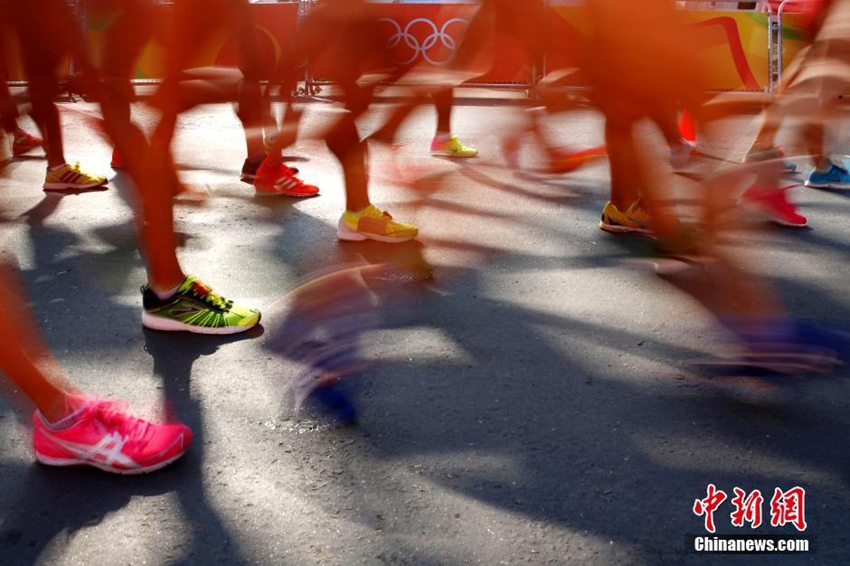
(709,505)
(747,508)
(788,507)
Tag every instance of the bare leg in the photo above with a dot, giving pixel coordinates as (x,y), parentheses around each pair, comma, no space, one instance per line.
(23,356)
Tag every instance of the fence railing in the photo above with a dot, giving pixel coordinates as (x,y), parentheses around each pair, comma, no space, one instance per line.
(422,30)
(779,22)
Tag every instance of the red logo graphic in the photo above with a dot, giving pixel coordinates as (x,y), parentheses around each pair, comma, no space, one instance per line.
(709,505)
(747,508)
(788,507)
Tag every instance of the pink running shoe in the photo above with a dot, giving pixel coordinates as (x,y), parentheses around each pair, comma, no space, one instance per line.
(25,142)
(99,435)
(773,204)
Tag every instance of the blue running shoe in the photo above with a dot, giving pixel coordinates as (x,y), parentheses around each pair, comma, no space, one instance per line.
(836,178)
(333,404)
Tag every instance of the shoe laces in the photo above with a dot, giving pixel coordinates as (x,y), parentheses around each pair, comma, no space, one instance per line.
(132,429)
(289,174)
(204,293)
(76,169)
(456,144)
(376,212)
(638,207)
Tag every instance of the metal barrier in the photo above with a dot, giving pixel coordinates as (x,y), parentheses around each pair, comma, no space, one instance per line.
(312,83)
(430,38)
(780,34)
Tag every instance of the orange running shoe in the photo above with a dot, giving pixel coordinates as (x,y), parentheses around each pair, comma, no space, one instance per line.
(565,162)
(272,180)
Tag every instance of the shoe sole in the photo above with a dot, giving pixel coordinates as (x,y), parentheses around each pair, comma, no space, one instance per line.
(827,185)
(786,223)
(65,462)
(620,229)
(69,187)
(445,154)
(785,170)
(664,265)
(348,235)
(167,325)
(284,194)
(771,218)
(760,212)
(22,153)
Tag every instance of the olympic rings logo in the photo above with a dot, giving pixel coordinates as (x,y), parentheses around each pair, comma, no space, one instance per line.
(431,48)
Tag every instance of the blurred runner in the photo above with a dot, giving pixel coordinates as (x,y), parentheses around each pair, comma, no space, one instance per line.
(43,30)
(194,24)
(638,76)
(171,299)
(344,36)
(765,196)
(22,141)
(70,428)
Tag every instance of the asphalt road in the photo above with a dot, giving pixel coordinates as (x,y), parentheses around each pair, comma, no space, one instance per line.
(526,395)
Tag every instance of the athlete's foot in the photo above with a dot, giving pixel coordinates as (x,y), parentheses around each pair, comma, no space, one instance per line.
(330,400)
(70,177)
(98,434)
(25,142)
(564,160)
(831,177)
(773,204)
(372,223)
(634,219)
(194,307)
(117,162)
(449,146)
(277,179)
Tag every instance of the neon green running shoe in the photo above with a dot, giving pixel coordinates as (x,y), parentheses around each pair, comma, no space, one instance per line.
(451,147)
(195,308)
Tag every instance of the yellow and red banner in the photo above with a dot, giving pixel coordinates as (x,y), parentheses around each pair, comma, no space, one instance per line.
(275,26)
(733,45)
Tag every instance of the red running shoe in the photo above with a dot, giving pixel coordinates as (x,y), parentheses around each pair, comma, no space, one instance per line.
(562,161)
(99,435)
(25,142)
(281,180)
(117,161)
(773,204)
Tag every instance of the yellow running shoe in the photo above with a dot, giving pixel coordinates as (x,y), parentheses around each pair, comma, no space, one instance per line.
(371,223)
(633,219)
(71,178)
(194,307)
(451,147)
